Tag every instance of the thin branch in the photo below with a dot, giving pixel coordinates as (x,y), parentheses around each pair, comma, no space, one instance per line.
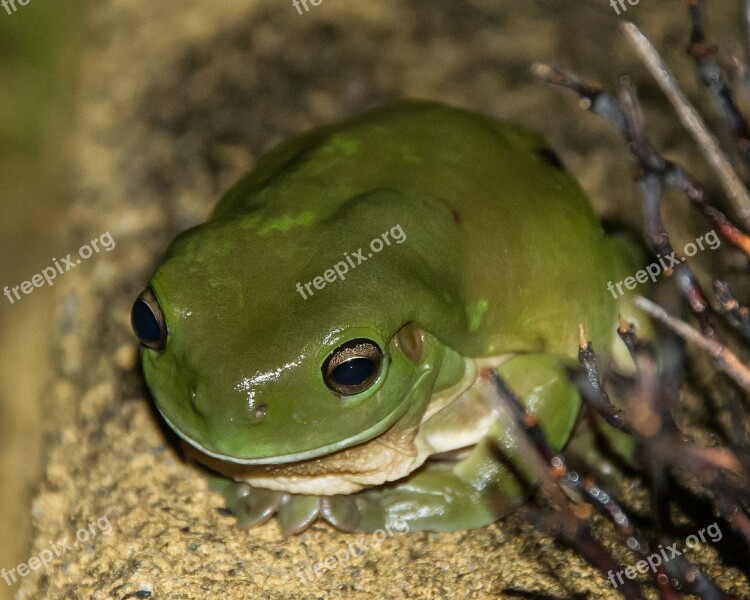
(724,358)
(692,121)
(649,159)
(573,525)
(713,79)
(737,316)
(593,390)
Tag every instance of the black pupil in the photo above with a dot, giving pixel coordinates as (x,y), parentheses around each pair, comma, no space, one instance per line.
(144,322)
(353,372)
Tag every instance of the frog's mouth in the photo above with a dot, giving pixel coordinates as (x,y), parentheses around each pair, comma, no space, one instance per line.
(386,457)
(281,459)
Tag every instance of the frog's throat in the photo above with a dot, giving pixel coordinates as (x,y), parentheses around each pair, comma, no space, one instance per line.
(297,456)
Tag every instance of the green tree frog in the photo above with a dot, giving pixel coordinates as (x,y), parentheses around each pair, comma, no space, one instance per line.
(361,403)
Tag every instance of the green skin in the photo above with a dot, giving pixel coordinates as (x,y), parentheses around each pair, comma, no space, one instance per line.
(503,256)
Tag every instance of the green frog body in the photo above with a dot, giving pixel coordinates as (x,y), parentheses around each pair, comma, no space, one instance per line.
(319,340)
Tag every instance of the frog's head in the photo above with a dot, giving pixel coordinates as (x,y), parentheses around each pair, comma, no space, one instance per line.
(246,370)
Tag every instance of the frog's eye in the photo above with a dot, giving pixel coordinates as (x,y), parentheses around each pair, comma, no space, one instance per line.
(353,366)
(147,320)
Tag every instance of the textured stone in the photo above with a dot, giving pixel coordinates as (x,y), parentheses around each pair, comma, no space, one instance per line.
(179,99)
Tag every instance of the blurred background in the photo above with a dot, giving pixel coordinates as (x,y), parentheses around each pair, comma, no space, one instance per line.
(38,46)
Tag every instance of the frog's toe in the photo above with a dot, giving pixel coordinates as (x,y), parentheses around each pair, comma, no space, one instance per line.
(372,514)
(297,513)
(252,506)
(256,506)
(340,511)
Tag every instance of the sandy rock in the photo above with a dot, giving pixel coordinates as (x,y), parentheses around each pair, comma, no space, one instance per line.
(177,101)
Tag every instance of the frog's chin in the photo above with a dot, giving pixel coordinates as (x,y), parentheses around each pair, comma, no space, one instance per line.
(280,459)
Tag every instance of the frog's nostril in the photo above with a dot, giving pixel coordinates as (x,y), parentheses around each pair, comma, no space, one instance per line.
(261,411)
(194,400)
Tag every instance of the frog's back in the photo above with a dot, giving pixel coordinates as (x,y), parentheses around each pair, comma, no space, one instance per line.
(486,204)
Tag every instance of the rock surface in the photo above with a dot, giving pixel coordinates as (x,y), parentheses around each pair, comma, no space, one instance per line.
(178,100)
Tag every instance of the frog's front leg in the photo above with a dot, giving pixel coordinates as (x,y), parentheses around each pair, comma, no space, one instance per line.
(497,473)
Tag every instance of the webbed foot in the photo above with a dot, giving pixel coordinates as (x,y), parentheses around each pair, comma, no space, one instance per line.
(434,500)
(294,512)
(431,500)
